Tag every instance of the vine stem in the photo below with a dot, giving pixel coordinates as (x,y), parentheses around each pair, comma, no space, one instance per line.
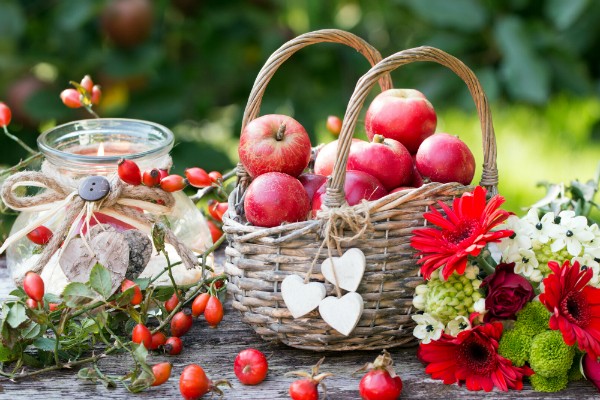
(203,192)
(21,164)
(170,270)
(19,141)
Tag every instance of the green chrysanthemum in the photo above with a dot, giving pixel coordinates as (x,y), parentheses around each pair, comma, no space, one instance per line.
(550,356)
(552,384)
(532,319)
(515,346)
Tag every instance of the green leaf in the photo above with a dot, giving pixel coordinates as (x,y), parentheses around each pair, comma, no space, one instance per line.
(142,382)
(139,353)
(16,315)
(19,292)
(158,236)
(12,20)
(142,283)
(71,15)
(31,330)
(45,344)
(52,298)
(564,13)
(76,294)
(463,15)
(100,281)
(6,354)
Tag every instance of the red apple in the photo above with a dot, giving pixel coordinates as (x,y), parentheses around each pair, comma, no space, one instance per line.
(404,115)
(401,188)
(445,158)
(326,158)
(274,143)
(311,183)
(385,159)
(417,179)
(334,125)
(128,22)
(358,186)
(273,198)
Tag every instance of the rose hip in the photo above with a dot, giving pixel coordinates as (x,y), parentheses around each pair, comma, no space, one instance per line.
(71,98)
(34,286)
(5,115)
(198,177)
(173,346)
(181,322)
(161,372)
(215,176)
(40,235)
(141,334)
(171,303)
(151,178)
(158,339)
(31,303)
(334,124)
(96,95)
(213,313)
(215,231)
(129,172)
(216,209)
(173,183)
(137,293)
(199,304)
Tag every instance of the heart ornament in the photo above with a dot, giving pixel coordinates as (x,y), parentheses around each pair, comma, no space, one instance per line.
(299,297)
(349,269)
(343,313)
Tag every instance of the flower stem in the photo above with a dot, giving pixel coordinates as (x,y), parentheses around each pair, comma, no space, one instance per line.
(21,164)
(89,109)
(19,141)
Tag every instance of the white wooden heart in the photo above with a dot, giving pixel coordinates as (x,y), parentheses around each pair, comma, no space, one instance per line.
(343,313)
(349,269)
(299,297)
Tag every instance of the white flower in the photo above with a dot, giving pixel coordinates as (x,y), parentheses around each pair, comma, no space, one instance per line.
(479,306)
(457,325)
(588,261)
(428,328)
(544,229)
(471,271)
(593,246)
(523,231)
(525,262)
(574,233)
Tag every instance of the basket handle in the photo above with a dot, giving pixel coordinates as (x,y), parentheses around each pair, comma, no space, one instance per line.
(489,177)
(292,46)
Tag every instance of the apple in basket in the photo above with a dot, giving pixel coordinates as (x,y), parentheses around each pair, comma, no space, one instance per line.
(274,143)
(404,115)
(445,158)
(311,183)
(326,157)
(274,198)
(358,186)
(385,159)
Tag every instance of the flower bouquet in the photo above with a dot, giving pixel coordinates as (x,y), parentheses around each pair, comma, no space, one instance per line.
(507,297)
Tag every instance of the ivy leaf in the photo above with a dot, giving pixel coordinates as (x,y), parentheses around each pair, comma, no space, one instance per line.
(100,281)
(16,315)
(76,294)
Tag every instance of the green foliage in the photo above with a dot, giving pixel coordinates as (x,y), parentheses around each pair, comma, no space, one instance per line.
(550,356)
(532,319)
(515,346)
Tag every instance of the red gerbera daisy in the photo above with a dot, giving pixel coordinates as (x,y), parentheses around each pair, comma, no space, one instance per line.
(472,358)
(575,306)
(465,230)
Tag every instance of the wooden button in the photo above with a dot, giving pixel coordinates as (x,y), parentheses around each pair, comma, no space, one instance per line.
(94,188)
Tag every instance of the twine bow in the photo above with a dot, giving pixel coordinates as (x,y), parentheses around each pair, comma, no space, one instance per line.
(356,218)
(125,202)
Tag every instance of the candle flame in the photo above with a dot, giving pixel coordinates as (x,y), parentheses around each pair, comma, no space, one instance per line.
(101,150)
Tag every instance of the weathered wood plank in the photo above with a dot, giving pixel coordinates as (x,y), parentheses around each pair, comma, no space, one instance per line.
(215,350)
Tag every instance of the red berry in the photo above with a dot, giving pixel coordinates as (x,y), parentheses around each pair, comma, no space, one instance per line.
(213,313)
(151,178)
(163,173)
(199,304)
(34,286)
(216,209)
(87,83)
(215,231)
(5,115)
(198,177)
(129,172)
(173,346)
(161,372)
(173,183)
(181,322)
(304,389)
(193,382)
(70,98)
(96,94)
(250,366)
(141,334)
(53,306)
(171,303)
(40,235)
(378,383)
(334,124)
(137,293)
(31,303)
(158,339)
(215,176)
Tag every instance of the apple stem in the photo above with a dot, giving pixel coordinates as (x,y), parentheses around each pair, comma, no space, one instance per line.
(280,132)
(378,139)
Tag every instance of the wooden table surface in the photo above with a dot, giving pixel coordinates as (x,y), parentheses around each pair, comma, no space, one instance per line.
(215,350)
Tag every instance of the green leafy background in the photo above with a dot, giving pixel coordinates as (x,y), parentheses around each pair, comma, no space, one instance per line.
(537,60)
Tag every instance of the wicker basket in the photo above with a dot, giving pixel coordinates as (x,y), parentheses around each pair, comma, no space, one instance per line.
(258,259)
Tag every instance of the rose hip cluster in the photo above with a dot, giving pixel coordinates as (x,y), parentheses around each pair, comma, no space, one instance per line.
(85,94)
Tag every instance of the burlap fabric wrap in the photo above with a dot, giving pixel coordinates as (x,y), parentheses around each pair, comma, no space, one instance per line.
(123,201)
(258,259)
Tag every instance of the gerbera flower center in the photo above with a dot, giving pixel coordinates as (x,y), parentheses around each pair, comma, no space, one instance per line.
(576,309)
(463,231)
(479,357)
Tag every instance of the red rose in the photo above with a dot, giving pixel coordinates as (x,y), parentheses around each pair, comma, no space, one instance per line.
(591,369)
(507,293)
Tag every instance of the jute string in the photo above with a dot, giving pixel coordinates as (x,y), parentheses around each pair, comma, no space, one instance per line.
(356,218)
(125,202)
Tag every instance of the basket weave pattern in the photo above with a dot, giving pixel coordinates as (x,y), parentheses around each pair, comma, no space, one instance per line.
(258,259)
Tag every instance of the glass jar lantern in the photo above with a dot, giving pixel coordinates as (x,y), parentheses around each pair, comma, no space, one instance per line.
(93,147)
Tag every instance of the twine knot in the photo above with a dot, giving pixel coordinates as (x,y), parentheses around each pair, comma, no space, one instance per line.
(137,206)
